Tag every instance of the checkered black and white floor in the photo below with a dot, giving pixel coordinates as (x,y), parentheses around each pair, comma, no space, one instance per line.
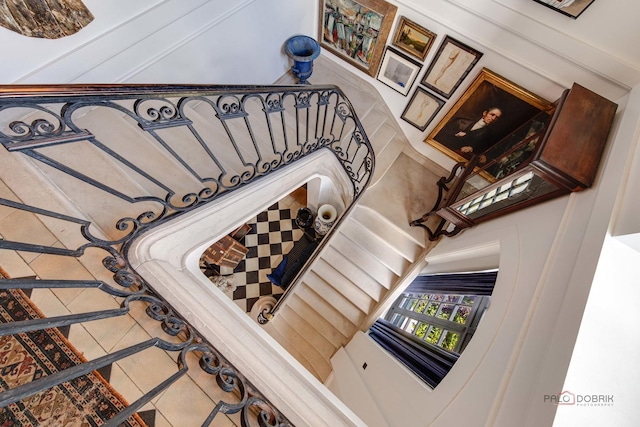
(273,233)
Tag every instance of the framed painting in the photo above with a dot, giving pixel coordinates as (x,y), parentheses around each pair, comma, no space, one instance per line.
(356,30)
(452,63)
(413,39)
(489,110)
(398,71)
(422,108)
(571,8)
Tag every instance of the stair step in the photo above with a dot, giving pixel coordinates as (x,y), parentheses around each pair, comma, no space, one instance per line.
(362,279)
(326,310)
(407,245)
(343,285)
(214,136)
(363,259)
(333,297)
(385,158)
(378,131)
(272,330)
(287,326)
(122,134)
(322,325)
(377,247)
(309,331)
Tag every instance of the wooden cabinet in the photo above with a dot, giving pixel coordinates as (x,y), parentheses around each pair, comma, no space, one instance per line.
(550,155)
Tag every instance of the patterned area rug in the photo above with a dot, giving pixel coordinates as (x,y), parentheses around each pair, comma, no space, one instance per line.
(83,402)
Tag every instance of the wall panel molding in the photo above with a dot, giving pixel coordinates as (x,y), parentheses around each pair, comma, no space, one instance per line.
(493,28)
(558,34)
(136,43)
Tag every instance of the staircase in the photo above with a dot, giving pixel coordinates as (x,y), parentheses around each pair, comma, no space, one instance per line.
(372,251)
(344,285)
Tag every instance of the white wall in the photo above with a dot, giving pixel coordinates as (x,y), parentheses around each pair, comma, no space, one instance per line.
(610,322)
(529,44)
(164,41)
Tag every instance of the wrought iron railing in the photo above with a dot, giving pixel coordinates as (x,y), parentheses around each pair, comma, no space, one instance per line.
(130,158)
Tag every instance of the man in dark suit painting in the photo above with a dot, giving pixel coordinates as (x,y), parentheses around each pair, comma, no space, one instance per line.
(470,136)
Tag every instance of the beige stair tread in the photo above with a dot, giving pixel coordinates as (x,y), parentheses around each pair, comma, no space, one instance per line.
(343,285)
(363,259)
(380,250)
(322,325)
(320,363)
(273,331)
(309,332)
(333,297)
(326,310)
(357,275)
(405,244)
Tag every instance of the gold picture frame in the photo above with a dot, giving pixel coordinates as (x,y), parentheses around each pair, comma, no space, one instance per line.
(356,30)
(487,95)
(413,39)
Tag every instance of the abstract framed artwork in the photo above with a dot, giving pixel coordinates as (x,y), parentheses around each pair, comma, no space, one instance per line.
(451,64)
(356,30)
(489,110)
(398,71)
(422,108)
(570,8)
(413,38)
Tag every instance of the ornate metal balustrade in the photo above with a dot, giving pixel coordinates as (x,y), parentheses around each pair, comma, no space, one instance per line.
(130,158)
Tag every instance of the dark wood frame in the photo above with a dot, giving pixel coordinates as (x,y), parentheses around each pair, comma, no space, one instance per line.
(438,64)
(421,91)
(564,12)
(406,61)
(380,7)
(407,24)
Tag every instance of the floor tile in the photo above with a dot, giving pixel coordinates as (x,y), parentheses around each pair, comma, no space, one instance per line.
(82,340)
(53,267)
(48,303)
(15,265)
(185,404)
(157,364)
(31,230)
(107,331)
(273,233)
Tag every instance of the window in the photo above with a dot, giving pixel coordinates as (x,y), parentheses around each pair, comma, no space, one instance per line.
(430,324)
(444,320)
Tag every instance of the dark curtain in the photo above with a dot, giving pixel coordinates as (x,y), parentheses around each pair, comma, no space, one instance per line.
(462,283)
(428,362)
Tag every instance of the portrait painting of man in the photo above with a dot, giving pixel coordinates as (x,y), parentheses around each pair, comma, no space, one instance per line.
(490,110)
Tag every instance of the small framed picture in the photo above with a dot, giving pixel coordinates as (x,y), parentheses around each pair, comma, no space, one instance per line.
(413,38)
(452,63)
(422,108)
(570,8)
(398,71)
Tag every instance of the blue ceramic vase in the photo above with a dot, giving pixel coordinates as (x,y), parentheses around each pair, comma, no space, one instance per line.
(302,50)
